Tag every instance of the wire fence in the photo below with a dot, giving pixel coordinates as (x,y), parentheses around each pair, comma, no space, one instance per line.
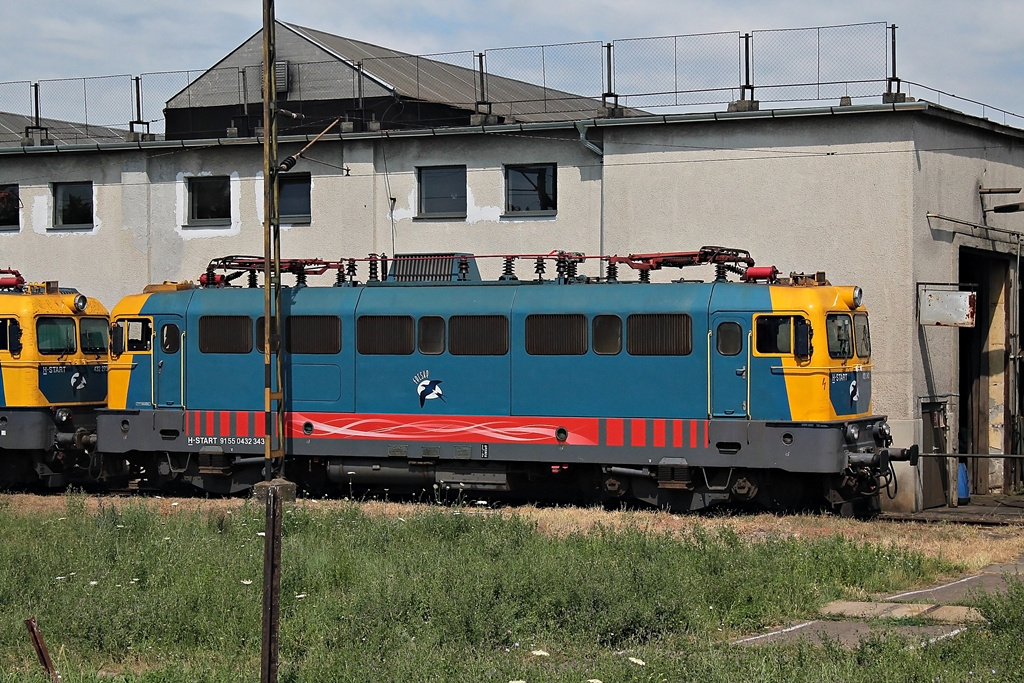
(665,74)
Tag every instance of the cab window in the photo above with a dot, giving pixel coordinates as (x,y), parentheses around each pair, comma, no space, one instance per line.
(839,329)
(56,336)
(773,334)
(4,335)
(862,336)
(137,334)
(94,335)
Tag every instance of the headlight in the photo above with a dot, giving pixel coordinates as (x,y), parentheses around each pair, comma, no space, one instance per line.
(882,431)
(81,302)
(852,433)
(858,297)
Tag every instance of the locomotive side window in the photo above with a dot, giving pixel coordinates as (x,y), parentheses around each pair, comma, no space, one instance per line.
(225,334)
(478,335)
(136,334)
(94,335)
(773,334)
(313,334)
(556,335)
(170,338)
(861,335)
(56,335)
(659,334)
(393,335)
(607,334)
(431,335)
(4,335)
(729,338)
(840,335)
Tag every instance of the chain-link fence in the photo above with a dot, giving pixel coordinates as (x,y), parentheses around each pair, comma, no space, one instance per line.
(536,83)
(543,79)
(819,63)
(675,71)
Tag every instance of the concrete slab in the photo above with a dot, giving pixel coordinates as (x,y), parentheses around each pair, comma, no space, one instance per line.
(858,610)
(852,633)
(955,614)
(950,614)
(855,621)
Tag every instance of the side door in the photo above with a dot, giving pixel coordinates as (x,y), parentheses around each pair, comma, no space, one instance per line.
(168,369)
(729,340)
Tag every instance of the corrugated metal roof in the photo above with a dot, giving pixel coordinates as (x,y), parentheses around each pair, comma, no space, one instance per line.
(430,80)
(12,130)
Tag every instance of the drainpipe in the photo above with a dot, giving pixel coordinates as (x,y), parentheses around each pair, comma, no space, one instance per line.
(582,126)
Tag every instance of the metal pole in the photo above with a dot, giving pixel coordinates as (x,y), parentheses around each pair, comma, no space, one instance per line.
(747,85)
(41,652)
(894,79)
(138,98)
(271,586)
(35,93)
(483,83)
(273,404)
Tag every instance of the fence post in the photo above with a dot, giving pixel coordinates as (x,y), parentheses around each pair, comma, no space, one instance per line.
(893,79)
(610,92)
(482,98)
(747,86)
(271,586)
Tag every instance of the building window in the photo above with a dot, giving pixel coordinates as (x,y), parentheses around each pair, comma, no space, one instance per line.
(209,200)
(72,205)
(556,335)
(293,198)
(10,202)
(530,189)
(225,334)
(442,191)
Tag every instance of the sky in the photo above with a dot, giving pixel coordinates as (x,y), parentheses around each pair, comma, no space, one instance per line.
(971,49)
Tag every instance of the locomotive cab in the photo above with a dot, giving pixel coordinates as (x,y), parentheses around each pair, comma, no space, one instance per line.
(53,377)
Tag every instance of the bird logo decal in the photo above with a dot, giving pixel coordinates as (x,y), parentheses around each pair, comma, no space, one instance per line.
(854,392)
(428,389)
(78,381)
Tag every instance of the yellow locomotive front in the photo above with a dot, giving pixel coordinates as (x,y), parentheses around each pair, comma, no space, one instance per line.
(53,377)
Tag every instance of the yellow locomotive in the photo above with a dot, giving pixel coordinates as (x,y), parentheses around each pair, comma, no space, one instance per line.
(54,350)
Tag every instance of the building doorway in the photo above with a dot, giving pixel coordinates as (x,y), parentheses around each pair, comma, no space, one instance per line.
(984,423)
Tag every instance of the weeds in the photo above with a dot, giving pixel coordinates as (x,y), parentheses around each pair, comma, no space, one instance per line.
(440,596)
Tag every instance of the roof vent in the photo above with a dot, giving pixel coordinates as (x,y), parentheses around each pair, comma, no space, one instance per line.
(433,268)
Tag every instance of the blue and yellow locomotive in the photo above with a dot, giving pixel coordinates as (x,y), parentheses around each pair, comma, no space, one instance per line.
(683,394)
(53,377)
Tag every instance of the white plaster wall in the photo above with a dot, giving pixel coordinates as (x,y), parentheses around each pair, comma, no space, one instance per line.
(831,193)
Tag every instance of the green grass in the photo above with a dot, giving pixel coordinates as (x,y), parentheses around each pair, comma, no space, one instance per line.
(128,595)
